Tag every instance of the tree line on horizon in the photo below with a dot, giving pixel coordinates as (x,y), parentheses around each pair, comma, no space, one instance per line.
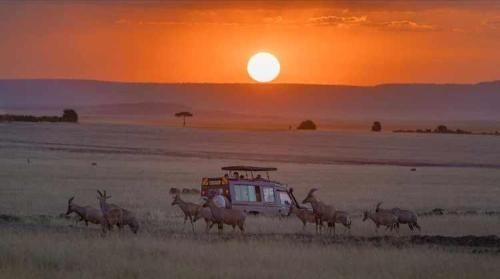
(69,115)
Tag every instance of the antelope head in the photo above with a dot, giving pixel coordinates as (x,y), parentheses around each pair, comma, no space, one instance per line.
(176,200)
(70,207)
(310,196)
(102,196)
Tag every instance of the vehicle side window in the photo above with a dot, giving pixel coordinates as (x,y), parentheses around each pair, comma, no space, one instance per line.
(246,193)
(268,194)
(285,198)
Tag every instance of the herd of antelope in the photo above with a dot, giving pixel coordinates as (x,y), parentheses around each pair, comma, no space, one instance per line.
(110,215)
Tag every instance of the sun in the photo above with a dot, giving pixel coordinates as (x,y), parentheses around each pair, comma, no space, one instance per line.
(263,67)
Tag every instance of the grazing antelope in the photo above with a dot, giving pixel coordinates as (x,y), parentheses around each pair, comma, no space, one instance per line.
(206,214)
(340,217)
(114,215)
(86,213)
(305,215)
(188,208)
(404,216)
(322,211)
(232,217)
(174,191)
(387,219)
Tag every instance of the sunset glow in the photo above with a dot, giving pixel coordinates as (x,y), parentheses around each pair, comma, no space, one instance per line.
(328,42)
(307,138)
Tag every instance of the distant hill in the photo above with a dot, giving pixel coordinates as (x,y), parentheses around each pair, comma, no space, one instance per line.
(142,108)
(387,102)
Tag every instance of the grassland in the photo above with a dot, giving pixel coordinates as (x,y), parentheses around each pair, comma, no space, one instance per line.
(40,244)
(53,251)
(37,243)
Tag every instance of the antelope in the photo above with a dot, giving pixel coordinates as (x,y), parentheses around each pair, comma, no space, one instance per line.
(114,215)
(404,216)
(304,215)
(206,214)
(232,217)
(340,217)
(174,191)
(188,208)
(322,212)
(387,219)
(86,213)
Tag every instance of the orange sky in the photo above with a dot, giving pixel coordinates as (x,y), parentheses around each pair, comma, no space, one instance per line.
(358,43)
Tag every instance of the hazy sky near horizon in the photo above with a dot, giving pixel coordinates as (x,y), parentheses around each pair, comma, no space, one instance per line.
(359,43)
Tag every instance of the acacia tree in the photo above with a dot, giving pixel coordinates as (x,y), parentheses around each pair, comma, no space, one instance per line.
(376,127)
(184,114)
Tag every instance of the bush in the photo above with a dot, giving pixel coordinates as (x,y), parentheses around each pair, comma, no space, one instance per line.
(376,127)
(441,129)
(307,125)
(69,115)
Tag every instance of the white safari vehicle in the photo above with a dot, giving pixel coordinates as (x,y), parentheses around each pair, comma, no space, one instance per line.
(250,191)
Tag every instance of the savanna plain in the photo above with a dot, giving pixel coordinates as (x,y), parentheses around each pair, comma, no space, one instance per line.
(43,165)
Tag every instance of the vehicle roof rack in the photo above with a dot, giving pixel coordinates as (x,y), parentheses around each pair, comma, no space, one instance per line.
(248,168)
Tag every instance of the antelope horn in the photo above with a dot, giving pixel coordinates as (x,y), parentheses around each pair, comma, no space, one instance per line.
(99,192)
(70,200)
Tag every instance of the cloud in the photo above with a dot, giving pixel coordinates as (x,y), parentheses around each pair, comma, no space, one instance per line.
(121,21)
(338,21)
(406,25)
(342,20)
(351,21)
(159,23)
(492,23)
(276,19)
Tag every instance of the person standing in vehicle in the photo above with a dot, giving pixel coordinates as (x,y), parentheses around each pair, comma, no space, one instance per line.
(219,199)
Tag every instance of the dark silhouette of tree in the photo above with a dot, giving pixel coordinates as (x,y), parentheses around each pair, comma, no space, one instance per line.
(70,115)
(307,125)
(184,114)
(441,129)
(376,127)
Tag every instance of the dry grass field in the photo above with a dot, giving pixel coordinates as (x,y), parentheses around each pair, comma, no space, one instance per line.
(63,254)
(40,244)
(37,242)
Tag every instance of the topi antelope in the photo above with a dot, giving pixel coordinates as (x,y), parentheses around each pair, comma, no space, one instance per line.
(174,191)
(387,219)
(305,215)
(114,215)
(188,208)
(206,214)
(322,212)
(404,216)
(229,216)
(86,213)
(340,217)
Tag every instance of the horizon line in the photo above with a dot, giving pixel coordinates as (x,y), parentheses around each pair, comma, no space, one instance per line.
(242,83)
